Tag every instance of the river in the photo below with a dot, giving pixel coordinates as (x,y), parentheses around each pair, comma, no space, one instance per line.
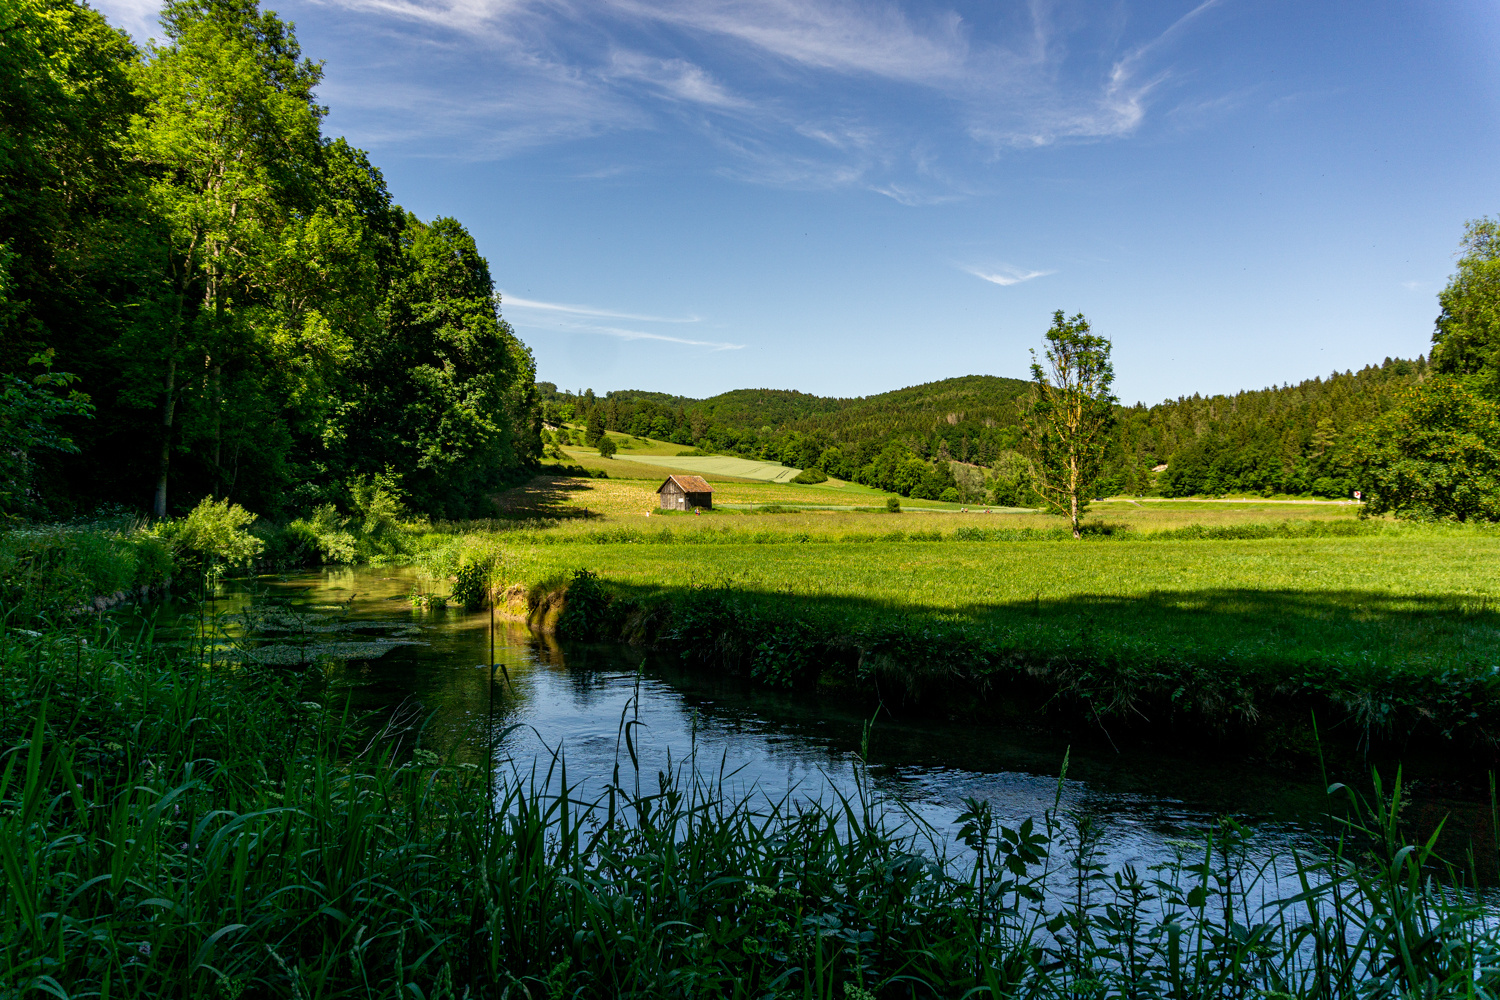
(427,667)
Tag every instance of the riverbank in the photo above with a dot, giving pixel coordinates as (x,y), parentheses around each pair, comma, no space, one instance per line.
(1389,640)
(175,829)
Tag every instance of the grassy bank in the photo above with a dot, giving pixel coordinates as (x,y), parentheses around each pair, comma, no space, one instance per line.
(60,569)
(1388,633)
(174,829)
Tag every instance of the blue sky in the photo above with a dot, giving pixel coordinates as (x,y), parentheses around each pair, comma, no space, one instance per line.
(692,196)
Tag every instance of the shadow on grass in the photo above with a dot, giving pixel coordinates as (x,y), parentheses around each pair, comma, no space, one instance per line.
(1230,626)
(544,497)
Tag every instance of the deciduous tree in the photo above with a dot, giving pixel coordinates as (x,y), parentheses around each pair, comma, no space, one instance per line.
(1071,415)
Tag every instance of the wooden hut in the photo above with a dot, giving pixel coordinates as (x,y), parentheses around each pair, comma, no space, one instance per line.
(685,493)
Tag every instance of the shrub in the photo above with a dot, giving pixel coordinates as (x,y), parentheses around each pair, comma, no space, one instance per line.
(590,611)
(893,505)
(950,495)
(322,538)
(215,533)
(606,448)
(809,476)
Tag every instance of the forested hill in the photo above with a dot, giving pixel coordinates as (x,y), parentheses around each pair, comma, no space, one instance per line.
(1284,439)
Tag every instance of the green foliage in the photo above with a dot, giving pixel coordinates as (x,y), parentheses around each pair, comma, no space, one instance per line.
(1071,416)
(590,612)
(179,211)
(1435,457)
(470,589)
(377,503)
(57,570)
(1466,341)
(810,476)
(31,411)
(215,532)
(606,447)
(893,505)
(321,538)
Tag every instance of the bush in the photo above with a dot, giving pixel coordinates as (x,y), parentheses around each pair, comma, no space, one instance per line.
(322,538)
(606,448)
(810,476)
(589,612)
(950,495)
(893,505)
(214,534)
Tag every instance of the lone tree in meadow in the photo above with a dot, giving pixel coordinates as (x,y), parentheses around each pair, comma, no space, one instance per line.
(1071,415)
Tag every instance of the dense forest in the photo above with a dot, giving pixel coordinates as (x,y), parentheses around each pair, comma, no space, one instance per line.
(1287,439)
(202,294)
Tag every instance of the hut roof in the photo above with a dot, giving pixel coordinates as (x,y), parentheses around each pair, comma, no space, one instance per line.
(687,484)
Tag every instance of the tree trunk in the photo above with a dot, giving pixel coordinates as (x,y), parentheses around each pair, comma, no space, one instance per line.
(1073,488)
(169,407)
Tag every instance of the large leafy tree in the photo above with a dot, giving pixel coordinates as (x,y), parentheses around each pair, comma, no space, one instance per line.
(1466,341)
(230,134)
(449,393)
(1071,415)
(1437,455)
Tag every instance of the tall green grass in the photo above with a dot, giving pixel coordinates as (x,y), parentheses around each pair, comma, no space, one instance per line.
(53,569)
(168,829)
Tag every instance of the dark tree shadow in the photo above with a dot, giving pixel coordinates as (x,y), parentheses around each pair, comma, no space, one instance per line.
(543,497)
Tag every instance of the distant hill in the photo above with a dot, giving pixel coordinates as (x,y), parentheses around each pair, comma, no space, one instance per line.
(1281,439)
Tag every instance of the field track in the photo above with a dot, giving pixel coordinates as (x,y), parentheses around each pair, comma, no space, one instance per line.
(719,465)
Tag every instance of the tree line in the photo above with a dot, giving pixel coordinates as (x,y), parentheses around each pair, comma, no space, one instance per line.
(1418,437)
(967,434)
(202,294)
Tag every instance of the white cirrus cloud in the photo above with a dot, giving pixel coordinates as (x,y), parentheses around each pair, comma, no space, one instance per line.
(674,78)
(1004,275)
(515,302)
(625,334)
(797,93)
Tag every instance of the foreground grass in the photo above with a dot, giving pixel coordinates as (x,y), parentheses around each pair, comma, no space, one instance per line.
(171,828)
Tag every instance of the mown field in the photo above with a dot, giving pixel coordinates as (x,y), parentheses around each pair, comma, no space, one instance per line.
(632,494)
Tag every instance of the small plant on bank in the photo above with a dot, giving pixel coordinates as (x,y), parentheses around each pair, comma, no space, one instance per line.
(215,535)
(893,505)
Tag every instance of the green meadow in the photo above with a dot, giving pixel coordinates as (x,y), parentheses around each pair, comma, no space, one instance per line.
(1239,617)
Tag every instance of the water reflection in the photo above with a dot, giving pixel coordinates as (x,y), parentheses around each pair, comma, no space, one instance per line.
(550,697)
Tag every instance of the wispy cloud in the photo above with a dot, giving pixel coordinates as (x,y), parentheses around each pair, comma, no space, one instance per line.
(623,334)
(1004,275)
(516,302)
(559,316)
(674,78)
(795,93)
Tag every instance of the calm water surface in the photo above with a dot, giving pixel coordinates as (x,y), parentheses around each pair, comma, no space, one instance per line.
(573,698)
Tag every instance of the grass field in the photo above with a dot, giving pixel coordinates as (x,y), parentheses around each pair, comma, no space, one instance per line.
(1381,626)
(625,499)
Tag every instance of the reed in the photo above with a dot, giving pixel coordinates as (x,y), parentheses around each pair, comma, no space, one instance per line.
(174,829)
